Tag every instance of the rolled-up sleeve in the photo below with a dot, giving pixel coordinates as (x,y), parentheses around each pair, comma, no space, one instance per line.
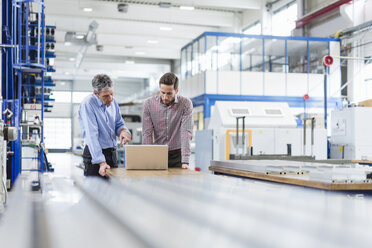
(147,125)
(89,125)
(186,131)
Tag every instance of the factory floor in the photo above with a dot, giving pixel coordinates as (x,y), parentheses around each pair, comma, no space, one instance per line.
(66,164)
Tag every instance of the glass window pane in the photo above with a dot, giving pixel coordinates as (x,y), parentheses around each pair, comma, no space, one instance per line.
(253,29)
(284,21)
(188,61)
(183,64)
(78,97)
(297,56)
(210,60)
(274,55)
(61,96)
(317,50)
(195,58)
(57,133)
(251,54)
(229,53)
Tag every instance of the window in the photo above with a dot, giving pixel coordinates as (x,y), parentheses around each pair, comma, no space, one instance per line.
(284,19)
(57,132)
(254,28)
(78,97)
(62,96)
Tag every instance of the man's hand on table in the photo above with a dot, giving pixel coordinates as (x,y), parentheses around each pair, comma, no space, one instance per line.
(185,166)
(103,166)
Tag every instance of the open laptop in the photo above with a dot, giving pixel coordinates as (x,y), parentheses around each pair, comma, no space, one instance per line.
(146,157)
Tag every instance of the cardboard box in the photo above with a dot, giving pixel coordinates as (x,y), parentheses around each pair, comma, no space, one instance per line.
(366,103)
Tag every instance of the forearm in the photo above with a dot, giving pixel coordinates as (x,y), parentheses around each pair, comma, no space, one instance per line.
(186,147)
(147,127)
(186,133)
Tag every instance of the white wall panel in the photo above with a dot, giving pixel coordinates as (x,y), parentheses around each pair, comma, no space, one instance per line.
(229,82)
(274,84)
(316,85)
(252,83)
(296,84)
(211,82)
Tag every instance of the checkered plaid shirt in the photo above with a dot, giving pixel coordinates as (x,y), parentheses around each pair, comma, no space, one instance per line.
(168,125)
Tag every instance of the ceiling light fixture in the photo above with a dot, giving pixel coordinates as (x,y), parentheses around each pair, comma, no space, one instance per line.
(129,62)
(166,28)
(187,7)
(67,43)
(140,53)
(72,59)
(86,9)
(80,36)
(153,41)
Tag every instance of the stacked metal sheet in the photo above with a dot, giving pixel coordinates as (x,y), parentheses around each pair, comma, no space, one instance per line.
(330,173)
(201,211)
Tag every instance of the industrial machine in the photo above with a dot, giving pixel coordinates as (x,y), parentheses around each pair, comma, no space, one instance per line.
(7,133)
(134,124)
(269,128)
(351,133)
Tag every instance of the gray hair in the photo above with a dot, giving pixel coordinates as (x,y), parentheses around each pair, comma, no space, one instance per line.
(102,82)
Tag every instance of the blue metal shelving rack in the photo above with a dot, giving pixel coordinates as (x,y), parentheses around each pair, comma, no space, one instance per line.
(24,29)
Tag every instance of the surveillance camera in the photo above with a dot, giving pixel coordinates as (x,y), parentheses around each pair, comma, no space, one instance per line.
(123,7)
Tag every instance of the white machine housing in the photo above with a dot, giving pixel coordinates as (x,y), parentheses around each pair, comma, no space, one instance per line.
(273,126)
(351,133)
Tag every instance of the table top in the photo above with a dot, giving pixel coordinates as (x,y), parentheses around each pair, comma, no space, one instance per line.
(171,172)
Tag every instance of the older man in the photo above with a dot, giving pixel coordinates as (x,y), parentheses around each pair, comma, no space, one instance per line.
(101,121)
(167,120)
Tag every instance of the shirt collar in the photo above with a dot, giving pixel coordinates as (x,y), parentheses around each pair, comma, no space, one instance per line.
(99,102)
(175,100)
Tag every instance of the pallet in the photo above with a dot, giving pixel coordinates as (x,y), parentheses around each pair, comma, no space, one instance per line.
(299,180)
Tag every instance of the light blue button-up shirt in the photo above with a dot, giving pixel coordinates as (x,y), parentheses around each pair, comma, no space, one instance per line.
(100,125)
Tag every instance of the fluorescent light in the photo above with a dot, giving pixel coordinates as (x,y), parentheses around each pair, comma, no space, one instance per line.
(63,83)
(72,59)
(129,62)
(67,73)
(86,9)
(187,7)
(140,53)
(80,36)
(153,41)
(67,43)
(166,28)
